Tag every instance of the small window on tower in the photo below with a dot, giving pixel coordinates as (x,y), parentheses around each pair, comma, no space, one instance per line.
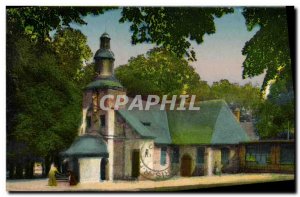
(102,120)
(88,121)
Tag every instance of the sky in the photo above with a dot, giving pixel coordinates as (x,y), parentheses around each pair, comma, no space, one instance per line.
(218,57)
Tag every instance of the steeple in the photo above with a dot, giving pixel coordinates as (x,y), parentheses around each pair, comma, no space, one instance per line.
(105,41)
(104,58)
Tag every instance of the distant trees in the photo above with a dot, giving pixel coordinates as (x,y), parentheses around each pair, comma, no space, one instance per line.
(162,73)
(158,72)
(246,96)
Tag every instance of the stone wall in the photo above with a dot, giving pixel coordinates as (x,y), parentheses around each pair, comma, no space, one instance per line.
(119,159)
(140,145)
(233,166)
(157,166)
(212,156)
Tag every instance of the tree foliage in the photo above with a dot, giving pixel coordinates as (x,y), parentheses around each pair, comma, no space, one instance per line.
(276,115)
(44,82)
(268,50)
(158,72)
(172,27)
(245,96)
(72,51)
(39,21)
(163,73)
(48,102)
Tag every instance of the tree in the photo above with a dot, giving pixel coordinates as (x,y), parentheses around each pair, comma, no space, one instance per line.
(269,51)
(245,96)
(172,27)
(44,96)
(44,81)
(202,91)
(39,21)
(72,51)
(158,72)
(276,116)
(269,48)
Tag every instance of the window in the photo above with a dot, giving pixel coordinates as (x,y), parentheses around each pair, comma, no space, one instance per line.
(225,156)
(258,154)
(287,154)
(163,156)
(88,121)
(175,155)
(102,120)
(200,155)
(146,123)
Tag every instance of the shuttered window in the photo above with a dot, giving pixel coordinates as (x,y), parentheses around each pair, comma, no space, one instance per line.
(258,154)
(163,156)
(225,156)
(287,154)
(175,155)
(200,155)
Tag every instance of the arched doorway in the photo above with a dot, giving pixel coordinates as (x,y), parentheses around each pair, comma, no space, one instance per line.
(103,165)
(186,165)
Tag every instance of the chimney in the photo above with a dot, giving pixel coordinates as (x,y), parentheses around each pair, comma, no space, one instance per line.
(237,114)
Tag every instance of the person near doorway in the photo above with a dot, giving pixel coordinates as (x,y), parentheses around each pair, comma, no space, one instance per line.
(218,170)
(72,178)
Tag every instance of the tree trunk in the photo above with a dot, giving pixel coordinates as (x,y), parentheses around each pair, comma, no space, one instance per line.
(47,165)
(29,170)
(11,170)
(19,171)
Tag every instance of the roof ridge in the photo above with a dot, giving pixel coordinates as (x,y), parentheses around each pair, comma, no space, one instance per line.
(219,110)
(137,121)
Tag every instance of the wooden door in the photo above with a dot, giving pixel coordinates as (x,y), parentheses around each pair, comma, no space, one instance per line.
(186,166)
(135,168)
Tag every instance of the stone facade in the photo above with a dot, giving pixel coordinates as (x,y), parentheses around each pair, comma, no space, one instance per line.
(89,169)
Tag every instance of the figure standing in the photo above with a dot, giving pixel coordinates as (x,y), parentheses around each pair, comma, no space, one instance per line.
(52,178)
(218,168)
(72,178)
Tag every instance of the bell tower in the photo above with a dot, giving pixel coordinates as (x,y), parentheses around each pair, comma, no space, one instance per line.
(101,122)
(104,58)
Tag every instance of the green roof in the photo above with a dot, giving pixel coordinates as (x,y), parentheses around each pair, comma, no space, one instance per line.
(104,54)
(104,83)
(213,124)
(152,123)
(87,145)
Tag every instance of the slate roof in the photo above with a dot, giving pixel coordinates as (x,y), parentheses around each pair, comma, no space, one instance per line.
(104,54)
(149,124)
(87,145)
(104,83)
(213,124)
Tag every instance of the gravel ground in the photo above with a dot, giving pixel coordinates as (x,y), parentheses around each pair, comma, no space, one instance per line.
(148,185)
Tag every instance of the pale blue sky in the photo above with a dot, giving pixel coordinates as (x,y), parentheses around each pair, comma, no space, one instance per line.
(218,57)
